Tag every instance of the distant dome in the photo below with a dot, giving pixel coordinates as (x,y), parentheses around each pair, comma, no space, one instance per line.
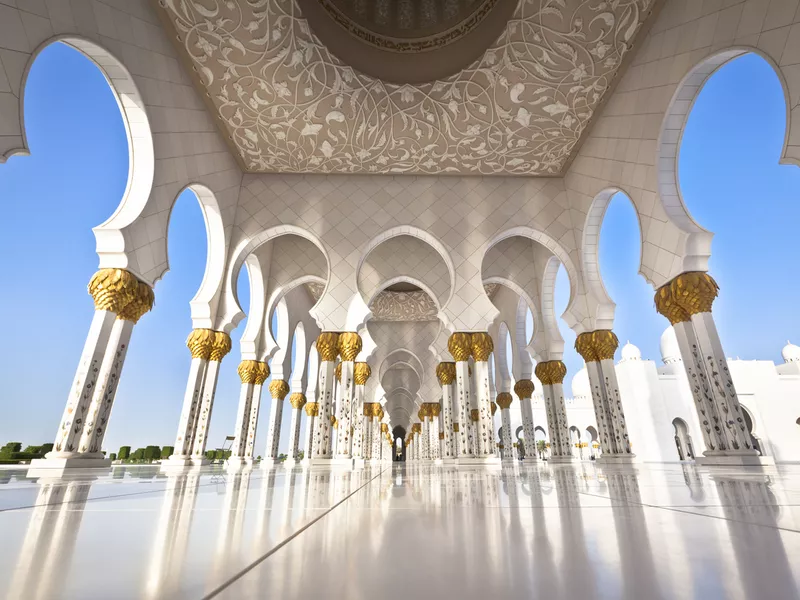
(580,384)
(631,352)
(670,351)
(790,353)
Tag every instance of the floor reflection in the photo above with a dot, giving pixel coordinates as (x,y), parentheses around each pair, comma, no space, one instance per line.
(560,531)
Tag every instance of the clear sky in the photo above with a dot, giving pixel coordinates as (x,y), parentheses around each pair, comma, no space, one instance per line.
(73,180)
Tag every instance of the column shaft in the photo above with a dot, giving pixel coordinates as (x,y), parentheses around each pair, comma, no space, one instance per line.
(294,431)
(322,430)
(206,406)
(508,448)
(344,440)
(242,420)
(106,388)
(557,421)
(191,402)
(616,414)
(449,446)
(528,428)
(463,396)
(252,424)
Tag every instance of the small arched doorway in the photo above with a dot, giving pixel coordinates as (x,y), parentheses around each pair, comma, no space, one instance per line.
(575,441)
(399,445)
(683,441)
(591,438)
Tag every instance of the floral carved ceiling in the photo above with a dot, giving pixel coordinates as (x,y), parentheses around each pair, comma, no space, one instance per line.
(288,105)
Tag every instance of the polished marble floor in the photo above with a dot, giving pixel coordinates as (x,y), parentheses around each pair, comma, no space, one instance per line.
(403,531)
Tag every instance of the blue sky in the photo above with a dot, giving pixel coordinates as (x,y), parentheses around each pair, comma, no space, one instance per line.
(75,177)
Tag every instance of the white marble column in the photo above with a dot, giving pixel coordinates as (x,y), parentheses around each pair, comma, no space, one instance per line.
(112,290)
(248,371)
(367,430)
(220,346)
(687,301)
(349,346)
(255,406)
(459,346)
(105,391)
(327,347)
(199,343)
(298,401)
(446,372)
(482,348)
(278,388)
(551,374)
(504,400)
(361,374)
(597,349)
(312,412)
(524,390)
(434,410)
(425,434)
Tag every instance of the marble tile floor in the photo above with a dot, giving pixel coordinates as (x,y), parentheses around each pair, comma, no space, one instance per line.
(574,531)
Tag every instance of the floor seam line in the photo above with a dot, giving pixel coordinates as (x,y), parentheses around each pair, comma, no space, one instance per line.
(220,588)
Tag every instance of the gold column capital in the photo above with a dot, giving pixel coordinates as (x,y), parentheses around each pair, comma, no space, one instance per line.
(361,373)
(482,346)
(141,303)
(504,400)
(349,345)
(312,409)
(334,422)
(220,346)
(297,399)
(551,372)
(667,306)
(378,410)
(434,409)
(493,405)
(455,427)
(278,388)
(585,347)
(384,428)
(112,289)
(416,428)
(327,346)
(423,412)
(694,291)
(441,435)
(262,374)
(367,409)
(460,346)
(597,345)
(200,342)
(475,415)
(524,388)
(446,372)
(248,371)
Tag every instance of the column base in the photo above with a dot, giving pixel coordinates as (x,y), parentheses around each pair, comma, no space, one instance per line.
(291,463)
(268,463)
(316,462)
(530,460)
(235,462)
(615,459)
(359,463)
(746,458)
(51,465)
(560,459)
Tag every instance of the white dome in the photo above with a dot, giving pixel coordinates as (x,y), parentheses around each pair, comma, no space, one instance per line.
(580,384)
(631,352)
(670,351)
(790,353)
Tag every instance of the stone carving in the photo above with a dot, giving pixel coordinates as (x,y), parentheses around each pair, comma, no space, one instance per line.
(403,306)
(288,105)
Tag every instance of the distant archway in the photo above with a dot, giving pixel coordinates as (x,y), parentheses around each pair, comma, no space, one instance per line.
(683,440)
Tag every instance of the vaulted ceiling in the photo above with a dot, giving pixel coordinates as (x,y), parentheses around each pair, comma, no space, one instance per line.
(286,103)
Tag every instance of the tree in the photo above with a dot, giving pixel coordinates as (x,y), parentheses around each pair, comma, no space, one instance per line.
(211,454)
(151,453)
(167,451)
(113,456)
(124,453)
(10,447)
(47,448)
(138,454)
(541,446)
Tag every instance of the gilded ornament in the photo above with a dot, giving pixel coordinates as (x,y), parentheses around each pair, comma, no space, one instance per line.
(220,346)
(551,372)
(434,409)
(312,409)
(542,373)
(337,372)
(416,428)
(327,346)
(384,428)
(423,412)
(361,373)
(475,414)
(482,346)
(248,371)
(334,422)
(140,304)
(263,373)
(504,400)
(446,372)
(297,399)
(585,347)
(524,388)
(278,388)
(199,343)
(605,344)
(112,289)
(493,405)
(441,435)
(349,345)
(455,427)
(667,306)
(694,291)
(459,346)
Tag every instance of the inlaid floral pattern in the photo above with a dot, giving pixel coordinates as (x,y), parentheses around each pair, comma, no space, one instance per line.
(288,105)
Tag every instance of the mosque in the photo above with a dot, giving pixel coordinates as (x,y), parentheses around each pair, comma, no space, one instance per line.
(401,180)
